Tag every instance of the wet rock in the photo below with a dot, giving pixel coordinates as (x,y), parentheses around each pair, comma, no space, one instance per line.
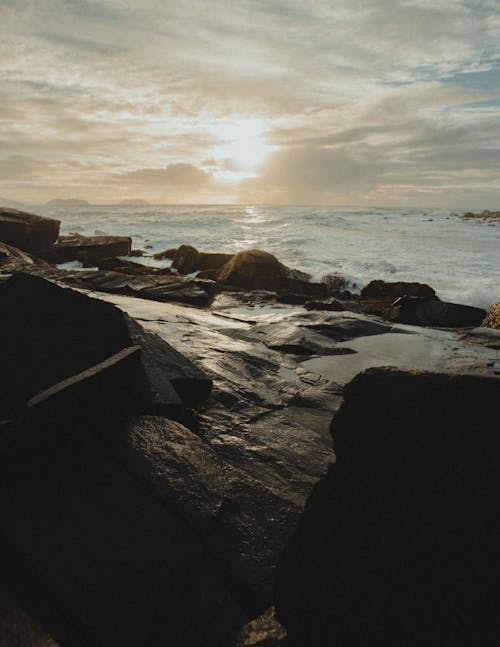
(137,252)
(258,270)
(254,269)
(103,561)
(387,291)
(12,259)
(129,267)
(187,260)
(59,333)
(423,311)
(89,250)
(18,628)
(166,254)
(27,231)
(492,319)
(397,545)
(333,305)
(264,631)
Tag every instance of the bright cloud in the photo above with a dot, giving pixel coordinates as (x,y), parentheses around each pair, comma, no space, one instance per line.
(393,102)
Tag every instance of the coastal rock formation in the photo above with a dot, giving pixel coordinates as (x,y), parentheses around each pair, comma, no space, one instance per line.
(398,544)
(254,269)
(422,311)
(89,250)
(27,231)
(483,215)
(387,291)
(187,259)
(12,258)
(492,319)
(59,333)
(166,254)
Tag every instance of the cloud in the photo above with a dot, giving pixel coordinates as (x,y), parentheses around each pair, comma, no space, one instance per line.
(182,175)
(363,100)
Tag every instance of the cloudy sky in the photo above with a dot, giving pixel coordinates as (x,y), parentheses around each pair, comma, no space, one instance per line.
(381,102)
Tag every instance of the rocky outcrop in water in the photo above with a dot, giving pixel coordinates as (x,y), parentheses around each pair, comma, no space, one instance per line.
(27,231)
(397,545)
(88,249)
(187,259)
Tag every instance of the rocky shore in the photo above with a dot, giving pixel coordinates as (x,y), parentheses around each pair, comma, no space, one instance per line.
(181,453)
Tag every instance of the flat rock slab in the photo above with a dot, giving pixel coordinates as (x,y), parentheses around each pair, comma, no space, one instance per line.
(89,250)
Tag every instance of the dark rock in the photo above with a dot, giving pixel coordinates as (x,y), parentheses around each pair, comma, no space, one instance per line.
(386,291)
(492,319)
(18,628)
(258,270)
(27,231)
(333,305)
(398,545)
(187,260)
(129,267)
(244,521)
(59,333)
(338,285)
(137,252)
(254,269)
(89,250)
(12,258)
(168,253)
(101,560)
(422,311)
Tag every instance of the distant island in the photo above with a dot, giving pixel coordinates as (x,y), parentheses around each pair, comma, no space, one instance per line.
(11,204)
(67,202)
(134,202)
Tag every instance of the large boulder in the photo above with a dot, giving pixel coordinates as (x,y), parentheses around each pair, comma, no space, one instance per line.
(423,311)
(27,231)
(492,319)
(12,258)
(49,334)
(399,544)
(88,249)
(187,259)
(254,269)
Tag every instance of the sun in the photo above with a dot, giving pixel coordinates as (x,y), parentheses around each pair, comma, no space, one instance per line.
(241,145)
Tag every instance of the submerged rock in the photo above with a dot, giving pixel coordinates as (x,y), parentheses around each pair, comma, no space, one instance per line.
(166,254)
(398,543)
(27,231)
(492,319)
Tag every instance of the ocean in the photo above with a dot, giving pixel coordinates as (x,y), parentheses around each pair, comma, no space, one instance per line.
(459,258)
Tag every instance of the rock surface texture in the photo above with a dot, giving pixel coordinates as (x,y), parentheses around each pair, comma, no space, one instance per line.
(492,319)
(27,231)
(89,250)
(398,544)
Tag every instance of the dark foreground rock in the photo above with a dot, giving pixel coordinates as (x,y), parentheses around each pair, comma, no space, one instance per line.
(27,231)
(398,545)
(49,334)
(387,291)
(89,250)
(492,319)
(98,559)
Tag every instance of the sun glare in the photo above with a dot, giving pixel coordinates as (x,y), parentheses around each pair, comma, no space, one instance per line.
(242,146)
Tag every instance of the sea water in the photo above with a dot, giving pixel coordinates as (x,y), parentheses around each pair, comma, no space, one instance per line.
(460,258)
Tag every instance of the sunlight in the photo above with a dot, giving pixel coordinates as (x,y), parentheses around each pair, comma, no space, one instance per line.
(242,142)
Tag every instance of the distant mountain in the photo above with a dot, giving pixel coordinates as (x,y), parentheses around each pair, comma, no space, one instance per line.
(67,202)
(134,202)
(11,204)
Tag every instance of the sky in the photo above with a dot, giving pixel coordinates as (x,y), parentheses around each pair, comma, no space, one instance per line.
(345,102)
